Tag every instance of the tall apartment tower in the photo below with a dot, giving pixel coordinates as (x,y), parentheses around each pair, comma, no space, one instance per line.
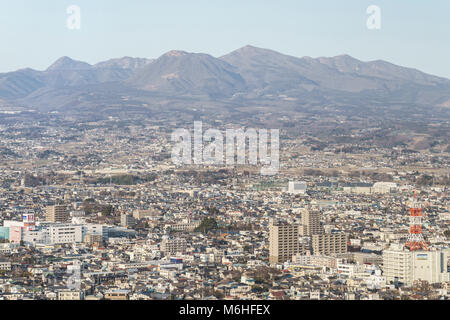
(397,265)
(57,213)
(283,241)
(311,222)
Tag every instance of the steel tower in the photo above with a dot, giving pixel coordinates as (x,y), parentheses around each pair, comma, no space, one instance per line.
(415,237)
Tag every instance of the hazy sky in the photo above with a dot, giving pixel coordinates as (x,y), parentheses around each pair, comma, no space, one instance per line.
(414,33)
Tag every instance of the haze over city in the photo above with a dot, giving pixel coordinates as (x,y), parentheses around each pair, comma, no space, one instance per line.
(413,33)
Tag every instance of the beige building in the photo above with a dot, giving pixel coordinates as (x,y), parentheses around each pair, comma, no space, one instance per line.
(70,295)
(127,220)
(329,243)
(318,261)
(117,295)
(384,187)
(283,241)
(311,222)
(173,246)
(92,239)
(186,225)
(140,214)
(57,213)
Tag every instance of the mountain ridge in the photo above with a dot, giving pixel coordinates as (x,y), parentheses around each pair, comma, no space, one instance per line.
(246,75)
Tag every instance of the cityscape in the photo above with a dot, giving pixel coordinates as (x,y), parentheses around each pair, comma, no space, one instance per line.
(120,180)
(98,210)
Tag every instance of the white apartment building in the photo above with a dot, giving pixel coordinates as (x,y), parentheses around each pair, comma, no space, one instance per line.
(185,225)
(384,187)
(62,233)
(65,233)
(349,270)
(406,266)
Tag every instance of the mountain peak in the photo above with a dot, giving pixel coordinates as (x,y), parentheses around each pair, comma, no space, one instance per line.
(66,63)
(248,47)
(175,53)
(180,72)
(123,63)
(252,49)
(344,56)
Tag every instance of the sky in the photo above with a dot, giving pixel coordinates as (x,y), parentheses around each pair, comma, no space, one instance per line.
(413,33)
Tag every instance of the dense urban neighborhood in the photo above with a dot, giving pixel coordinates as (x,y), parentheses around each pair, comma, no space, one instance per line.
(96,209)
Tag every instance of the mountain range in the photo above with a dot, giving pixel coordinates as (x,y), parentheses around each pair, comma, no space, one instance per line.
(249,75)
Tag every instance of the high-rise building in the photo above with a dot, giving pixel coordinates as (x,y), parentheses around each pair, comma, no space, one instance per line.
(57,213)
(283,241)
(329,243)
(311,222)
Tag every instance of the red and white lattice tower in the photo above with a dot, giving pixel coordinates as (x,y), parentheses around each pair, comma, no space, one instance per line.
(415,237)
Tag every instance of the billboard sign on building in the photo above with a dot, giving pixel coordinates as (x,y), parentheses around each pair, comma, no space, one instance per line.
(422,256)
